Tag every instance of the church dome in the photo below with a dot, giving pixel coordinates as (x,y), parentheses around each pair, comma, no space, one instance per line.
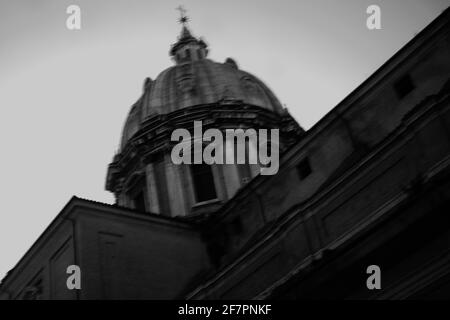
(196,80)
(143,174)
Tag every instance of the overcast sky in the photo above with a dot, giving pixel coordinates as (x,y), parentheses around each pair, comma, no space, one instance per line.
(64,95)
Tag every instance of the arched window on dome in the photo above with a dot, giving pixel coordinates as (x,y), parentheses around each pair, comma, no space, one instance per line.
(249,85)
(203,180)
(188,54)
(200,53)
(139,201)
(194,54)
(136,190)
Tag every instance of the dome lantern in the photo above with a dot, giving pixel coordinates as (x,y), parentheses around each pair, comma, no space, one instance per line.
(188,48)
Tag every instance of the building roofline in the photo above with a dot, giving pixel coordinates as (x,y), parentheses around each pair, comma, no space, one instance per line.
(396,59)
(441,21)
(66,214)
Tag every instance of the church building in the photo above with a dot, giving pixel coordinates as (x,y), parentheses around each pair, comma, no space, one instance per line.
(367,185)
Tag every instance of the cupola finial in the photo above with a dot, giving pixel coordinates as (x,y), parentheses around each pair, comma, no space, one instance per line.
(183,17)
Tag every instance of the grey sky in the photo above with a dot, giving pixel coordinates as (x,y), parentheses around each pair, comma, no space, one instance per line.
(64,95)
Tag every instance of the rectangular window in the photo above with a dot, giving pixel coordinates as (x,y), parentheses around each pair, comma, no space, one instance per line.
(404,86)
(203,179)
(139,201)
(304,168)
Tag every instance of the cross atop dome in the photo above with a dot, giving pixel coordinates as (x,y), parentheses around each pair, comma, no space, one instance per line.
(183,20)
(183,17)
(188,48)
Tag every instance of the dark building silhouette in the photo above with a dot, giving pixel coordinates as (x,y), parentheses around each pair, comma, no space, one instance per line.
(367,185)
